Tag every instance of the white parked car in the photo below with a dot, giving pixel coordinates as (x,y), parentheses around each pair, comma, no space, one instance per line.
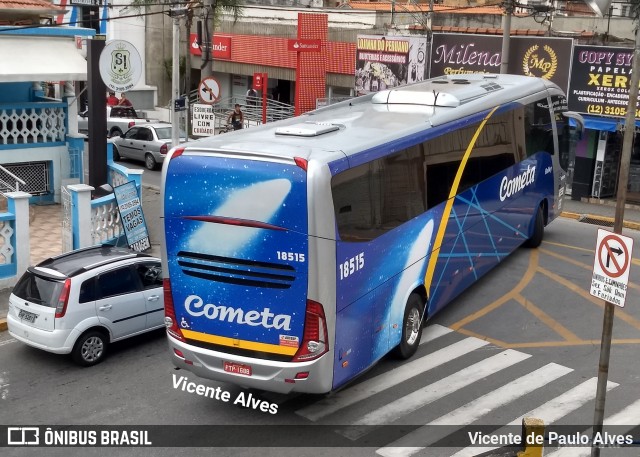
(81,301)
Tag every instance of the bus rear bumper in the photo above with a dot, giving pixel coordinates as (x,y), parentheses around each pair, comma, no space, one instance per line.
(315,376)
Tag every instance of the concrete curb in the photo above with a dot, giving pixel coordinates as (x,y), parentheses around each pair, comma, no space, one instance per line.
(609,220)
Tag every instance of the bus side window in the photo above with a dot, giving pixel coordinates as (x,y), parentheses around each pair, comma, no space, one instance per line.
(493,151)
(375,197)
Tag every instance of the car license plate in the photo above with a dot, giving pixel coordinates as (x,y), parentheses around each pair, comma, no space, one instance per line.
(27,316)
(237,368)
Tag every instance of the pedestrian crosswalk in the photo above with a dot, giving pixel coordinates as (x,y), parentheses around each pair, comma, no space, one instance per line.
(505,384)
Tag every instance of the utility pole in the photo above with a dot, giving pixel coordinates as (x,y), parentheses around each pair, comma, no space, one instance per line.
(175,77)
(506,36)
(187,70)
(429,38)
(96,91)
(207,58)
(623,179)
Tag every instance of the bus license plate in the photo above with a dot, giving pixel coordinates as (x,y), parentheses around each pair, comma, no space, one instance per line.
(237,368)
(27,316)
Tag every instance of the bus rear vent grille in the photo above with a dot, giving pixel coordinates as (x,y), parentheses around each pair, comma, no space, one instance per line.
(236,271)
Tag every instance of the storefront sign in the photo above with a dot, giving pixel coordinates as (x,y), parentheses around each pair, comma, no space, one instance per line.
(600,77)
(389,61)
(548,58)
(120,65)
(221,46)
(300,45)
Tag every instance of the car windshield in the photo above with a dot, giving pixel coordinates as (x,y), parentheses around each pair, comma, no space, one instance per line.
(36,289)
(164,133)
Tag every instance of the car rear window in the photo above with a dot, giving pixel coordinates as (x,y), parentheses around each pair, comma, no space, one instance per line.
(36,289)
(164,133)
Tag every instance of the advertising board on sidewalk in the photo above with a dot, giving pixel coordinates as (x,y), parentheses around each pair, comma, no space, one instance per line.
(132,217)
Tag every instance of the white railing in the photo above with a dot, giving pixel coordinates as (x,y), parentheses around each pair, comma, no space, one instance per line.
(98,221)
(28,123)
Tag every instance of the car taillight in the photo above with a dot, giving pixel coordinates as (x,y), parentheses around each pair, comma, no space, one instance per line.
(314,340)
(163,149)
(170,321)
(63,299)
(131,123)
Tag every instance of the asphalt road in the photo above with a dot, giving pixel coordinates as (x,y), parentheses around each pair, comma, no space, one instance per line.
(534,334)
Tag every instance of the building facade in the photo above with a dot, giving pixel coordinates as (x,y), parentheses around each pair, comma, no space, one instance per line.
(39,146)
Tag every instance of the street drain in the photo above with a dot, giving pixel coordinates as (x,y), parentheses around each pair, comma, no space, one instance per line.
(604,222)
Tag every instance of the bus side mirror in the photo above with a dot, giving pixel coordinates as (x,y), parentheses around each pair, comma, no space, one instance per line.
(575,120)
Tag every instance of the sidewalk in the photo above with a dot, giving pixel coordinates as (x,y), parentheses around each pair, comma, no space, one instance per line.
(46,235)
(601,212)
(46,239)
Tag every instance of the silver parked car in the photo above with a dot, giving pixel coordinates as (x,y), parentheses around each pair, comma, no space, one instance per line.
(83,300)
(149,143)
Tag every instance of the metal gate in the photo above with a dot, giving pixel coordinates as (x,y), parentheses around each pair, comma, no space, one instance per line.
(35,175)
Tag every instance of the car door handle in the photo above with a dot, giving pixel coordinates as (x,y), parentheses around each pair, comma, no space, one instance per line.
(154,298)
(105,307)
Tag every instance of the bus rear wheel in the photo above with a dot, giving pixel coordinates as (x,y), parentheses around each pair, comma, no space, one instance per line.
(411,328)
(538,230)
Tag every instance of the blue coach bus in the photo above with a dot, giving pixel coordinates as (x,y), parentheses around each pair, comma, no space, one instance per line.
(300,252)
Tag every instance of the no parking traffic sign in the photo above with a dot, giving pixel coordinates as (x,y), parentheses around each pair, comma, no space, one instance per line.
(611,267)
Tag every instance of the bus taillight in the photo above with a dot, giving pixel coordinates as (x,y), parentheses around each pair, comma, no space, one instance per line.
(314,340)
(177,152)
(170,320)
(302,163)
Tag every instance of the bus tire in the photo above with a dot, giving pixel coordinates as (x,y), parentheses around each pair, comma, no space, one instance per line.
(411,328)
(538,230)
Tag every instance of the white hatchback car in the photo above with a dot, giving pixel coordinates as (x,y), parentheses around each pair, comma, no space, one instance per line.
(81,301)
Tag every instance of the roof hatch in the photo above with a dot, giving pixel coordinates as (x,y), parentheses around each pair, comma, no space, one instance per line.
(307,129)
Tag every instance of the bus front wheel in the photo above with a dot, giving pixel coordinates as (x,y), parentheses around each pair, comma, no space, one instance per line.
(411,328)
(538,230)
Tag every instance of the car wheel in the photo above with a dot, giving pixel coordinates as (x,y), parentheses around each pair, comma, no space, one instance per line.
(538,230)
(115,132)
(150,161)
(90,348)
(116,154)
(411,328)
